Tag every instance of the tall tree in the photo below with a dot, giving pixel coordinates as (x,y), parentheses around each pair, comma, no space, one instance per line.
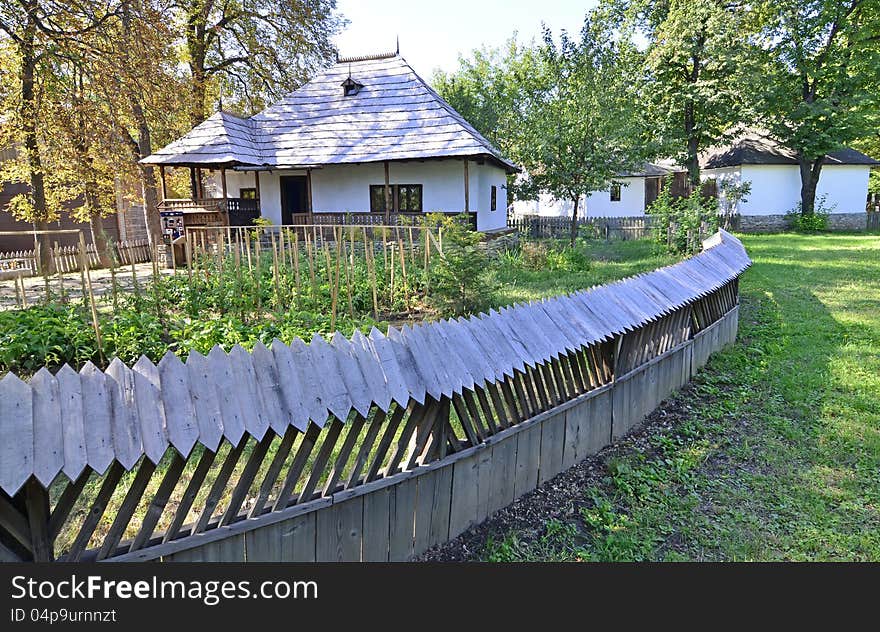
(818,87)
(39,33)
(583,123)
(251,51)
(697,51)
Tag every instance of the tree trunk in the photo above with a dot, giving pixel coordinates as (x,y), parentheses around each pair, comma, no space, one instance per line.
(692,162)
(574,219)
(143,147)
(810,171)
(27,111)
(101,240)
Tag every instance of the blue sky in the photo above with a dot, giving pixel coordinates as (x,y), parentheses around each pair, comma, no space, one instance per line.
(434,32)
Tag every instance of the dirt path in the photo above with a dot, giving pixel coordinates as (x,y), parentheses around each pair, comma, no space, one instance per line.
(71,283)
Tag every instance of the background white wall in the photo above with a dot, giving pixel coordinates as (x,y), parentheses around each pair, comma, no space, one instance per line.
(632,200)
(846,186)
(597,204)
(776,189)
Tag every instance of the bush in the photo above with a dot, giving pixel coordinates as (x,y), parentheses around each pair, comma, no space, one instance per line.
(815,222)
(679,222)
(458,277)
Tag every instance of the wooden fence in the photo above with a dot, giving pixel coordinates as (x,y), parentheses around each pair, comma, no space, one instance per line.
(370,448)
(538,227)
(67,258)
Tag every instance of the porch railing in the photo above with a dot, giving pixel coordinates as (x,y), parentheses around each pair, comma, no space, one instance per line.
(241,212)
(372,218)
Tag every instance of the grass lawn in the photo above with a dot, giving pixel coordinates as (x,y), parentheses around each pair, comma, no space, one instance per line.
(603,262)
(773,453)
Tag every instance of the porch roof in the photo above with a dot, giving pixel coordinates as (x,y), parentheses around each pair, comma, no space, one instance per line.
(395,115)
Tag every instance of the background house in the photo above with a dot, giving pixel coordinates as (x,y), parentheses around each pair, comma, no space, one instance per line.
(363,131)
(773,173)
(628,196)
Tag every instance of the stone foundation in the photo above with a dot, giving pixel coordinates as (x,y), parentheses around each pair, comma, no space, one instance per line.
(848,221)
(779,223)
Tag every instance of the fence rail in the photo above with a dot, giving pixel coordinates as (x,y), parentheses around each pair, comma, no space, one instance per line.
(373,447)
(539,226)
(67,258)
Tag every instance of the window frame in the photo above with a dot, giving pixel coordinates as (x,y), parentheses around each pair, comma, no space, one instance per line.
(379,191)
(493,198)
(615,192)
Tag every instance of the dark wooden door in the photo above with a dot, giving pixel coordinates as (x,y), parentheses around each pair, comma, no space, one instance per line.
(294,197)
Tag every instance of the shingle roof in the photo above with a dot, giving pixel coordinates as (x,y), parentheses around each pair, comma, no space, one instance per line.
(395,116)
(648,169)
(755,149)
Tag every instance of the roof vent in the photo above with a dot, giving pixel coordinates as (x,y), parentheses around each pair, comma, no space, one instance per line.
(350,87)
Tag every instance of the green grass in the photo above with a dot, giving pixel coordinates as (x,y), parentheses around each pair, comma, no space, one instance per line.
(776,454)
(602,262)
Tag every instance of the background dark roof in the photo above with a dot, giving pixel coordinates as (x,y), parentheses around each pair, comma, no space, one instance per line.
(758,150)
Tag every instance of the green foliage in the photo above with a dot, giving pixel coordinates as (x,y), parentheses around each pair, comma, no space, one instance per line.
(817,221)
(458,276)
(550,255)
(679,222)
(818,85)
(771,454)
(697,59)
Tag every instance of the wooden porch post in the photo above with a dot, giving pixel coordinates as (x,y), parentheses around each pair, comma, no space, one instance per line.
(387,194)
(193,188)
(257,184)
(200,192)
(309,194)
(162,181)
(467,188)
(223,181)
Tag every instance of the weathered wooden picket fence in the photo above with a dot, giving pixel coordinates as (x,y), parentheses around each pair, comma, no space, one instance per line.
(373,448)
(67,258)
(539,226)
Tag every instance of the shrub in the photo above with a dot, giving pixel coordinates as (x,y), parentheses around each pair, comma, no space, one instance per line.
(678,223)
(458,277)
(815,222)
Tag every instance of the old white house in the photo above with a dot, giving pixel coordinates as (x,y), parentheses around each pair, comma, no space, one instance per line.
(367,135)
(627,196)
(773,174)
(770,169)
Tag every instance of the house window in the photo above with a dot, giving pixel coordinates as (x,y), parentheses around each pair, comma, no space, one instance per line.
(247,194)
(615,192)
(494,201)
(409,197)
(404,198)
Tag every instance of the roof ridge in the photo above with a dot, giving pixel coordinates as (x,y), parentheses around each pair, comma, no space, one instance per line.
(374,57)
(470,129)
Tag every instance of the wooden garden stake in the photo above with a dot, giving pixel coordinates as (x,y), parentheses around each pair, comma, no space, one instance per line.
(347,278)
(84,262)
(294,255)
(370,255)
(392,270)
(311,256)
(403,272)
(275,273)
(60,275)
(329,265)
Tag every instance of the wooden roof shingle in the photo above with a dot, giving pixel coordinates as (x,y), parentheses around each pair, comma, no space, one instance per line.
(394,116)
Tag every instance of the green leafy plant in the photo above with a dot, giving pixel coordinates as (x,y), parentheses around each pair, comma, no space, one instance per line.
(458,279)
(680,222)
(814,222)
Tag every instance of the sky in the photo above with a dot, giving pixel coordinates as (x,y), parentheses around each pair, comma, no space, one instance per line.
(434,32)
